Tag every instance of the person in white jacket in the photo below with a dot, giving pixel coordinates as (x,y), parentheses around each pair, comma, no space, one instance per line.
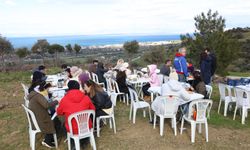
(174,88)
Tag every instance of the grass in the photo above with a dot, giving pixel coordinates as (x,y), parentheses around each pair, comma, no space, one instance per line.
(240,74)
(14,133)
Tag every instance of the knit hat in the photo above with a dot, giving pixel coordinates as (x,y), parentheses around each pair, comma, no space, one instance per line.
(83,78)
(38,76)
(73,85)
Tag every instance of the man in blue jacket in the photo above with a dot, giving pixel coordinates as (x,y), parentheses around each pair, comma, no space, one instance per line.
(180,64)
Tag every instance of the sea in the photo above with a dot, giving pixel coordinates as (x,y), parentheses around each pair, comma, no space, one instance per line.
(89,40)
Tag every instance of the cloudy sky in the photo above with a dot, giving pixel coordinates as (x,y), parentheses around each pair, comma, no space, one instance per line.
(89,17)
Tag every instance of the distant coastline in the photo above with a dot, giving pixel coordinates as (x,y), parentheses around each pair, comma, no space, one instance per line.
(90,41)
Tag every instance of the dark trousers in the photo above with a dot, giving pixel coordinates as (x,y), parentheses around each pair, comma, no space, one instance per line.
(145,89)
(49,138)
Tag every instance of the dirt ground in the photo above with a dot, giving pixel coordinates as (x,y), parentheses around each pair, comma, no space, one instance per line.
(138,136)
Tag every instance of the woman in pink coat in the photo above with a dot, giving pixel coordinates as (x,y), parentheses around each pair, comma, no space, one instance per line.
(154,80)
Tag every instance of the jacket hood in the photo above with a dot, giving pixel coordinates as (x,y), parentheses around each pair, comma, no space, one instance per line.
(75,96)
(174,85)
(179,55)
(152,69)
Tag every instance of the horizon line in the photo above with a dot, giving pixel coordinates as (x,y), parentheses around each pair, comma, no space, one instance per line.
(69,35)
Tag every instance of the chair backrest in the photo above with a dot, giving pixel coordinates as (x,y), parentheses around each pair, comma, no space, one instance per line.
(113,98)
(86,71)
(114,86)
(82,119)
(26,101)
(242,97)
(209,90)
(171,104)
(95,77)
(25,89)
(161,78)
(224,90)
(133,95)
(31,119)
(108,81)
(202,108)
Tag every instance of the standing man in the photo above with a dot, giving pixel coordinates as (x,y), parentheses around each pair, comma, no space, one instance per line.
(213,61)
(180,64)
(165,69)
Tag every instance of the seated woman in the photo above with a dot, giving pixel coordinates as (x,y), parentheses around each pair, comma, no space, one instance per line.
(99,98)
(39,105)
(154,81)
(74,101)
(68,73)
(121,80)
(198,84)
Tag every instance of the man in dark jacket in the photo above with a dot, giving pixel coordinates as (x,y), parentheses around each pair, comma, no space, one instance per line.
(213,61)
(206,67)
(180,64)
(165,69)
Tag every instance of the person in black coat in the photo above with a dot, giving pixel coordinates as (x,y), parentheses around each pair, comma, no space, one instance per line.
(100,72)
(214,60)
(206,67)
(121,81)
(98,97)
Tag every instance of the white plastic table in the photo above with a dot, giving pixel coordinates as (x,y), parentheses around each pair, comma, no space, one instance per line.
(138,84)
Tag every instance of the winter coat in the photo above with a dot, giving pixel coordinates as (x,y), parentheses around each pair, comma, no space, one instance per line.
(214,63)
(39,106)
(154,80)
(100,73)
(200,87)
(175,88)
(121,81)
(101,101)
(180,64)
(74,101)
(165,70)
(206,69)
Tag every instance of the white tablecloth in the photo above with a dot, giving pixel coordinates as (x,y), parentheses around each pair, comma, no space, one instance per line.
(244,87)
(54,79)
(53,89)
(138,81)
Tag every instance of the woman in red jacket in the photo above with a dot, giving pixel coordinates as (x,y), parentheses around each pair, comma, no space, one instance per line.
(74,101)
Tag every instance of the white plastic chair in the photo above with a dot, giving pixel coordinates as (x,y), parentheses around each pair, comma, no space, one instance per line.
(95,77)
(32,132)
(109,86)
(136,104)
(26,101)
(96,80)
(243,102)
(227,98)
(202,107)
(209,90)
(82,119)
(25,89)
(111,116)
(115,88)
(171,105)
(161,78)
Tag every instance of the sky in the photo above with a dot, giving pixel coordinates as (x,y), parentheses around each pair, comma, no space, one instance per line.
(132,17)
